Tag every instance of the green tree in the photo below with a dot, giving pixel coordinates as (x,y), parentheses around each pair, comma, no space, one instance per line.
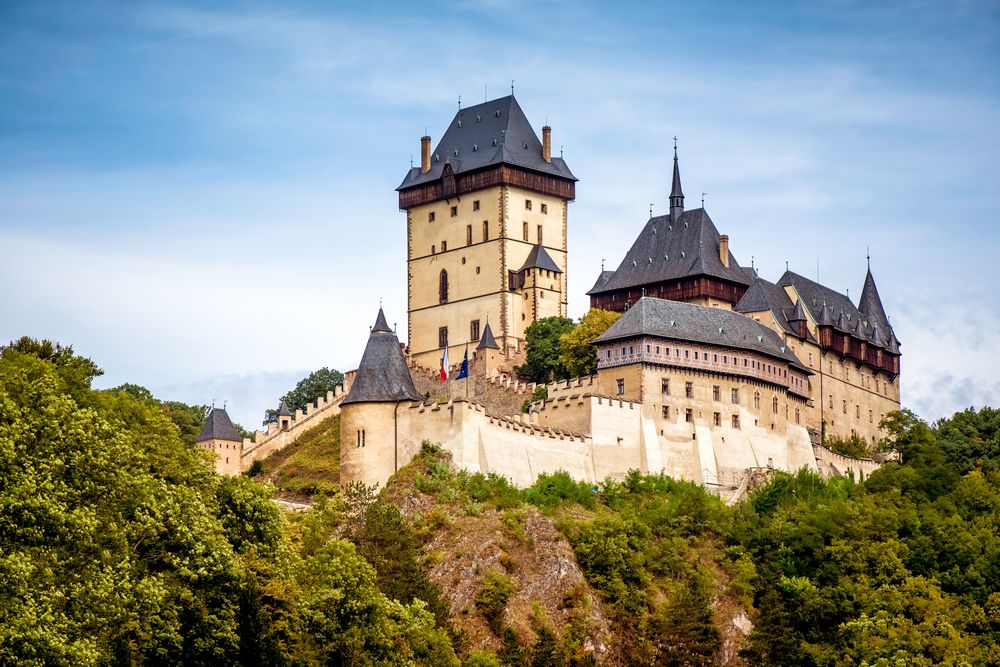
(542,362)
(578,356)
(305,393)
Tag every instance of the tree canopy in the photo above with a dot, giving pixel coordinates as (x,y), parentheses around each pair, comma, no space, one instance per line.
(577,355)
(542,362)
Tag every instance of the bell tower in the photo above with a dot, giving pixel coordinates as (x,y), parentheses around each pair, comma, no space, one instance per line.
(486,215)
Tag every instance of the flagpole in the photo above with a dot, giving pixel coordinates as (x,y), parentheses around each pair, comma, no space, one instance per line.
(467,370)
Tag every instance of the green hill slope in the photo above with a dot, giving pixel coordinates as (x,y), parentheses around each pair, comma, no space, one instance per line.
(309,466)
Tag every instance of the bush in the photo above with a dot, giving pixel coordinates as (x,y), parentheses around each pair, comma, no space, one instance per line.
(491,601)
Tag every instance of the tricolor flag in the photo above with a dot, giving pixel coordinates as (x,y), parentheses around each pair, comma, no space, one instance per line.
(464,371)
(444,365)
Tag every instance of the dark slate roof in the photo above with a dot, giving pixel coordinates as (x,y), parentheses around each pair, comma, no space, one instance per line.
(796,315)
(283,409)
(382,375)
(484,135)
(487,340)
(678,320)
(539,258)
(815,295)
(764,295)
(668,249)
(601,281)
(870,304)
(380,324)
(218,426)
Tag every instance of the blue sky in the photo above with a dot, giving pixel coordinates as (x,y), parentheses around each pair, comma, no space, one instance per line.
(193,194)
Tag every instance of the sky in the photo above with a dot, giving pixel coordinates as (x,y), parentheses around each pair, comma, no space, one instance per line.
(200,196)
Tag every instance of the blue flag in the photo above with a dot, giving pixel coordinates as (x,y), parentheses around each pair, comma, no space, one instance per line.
(464,372)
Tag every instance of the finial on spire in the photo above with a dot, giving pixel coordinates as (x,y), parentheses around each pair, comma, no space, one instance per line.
(512,87)
(868,257)
(224,403)
(703,199)
(460,101)
(675,146)
(650,209)
(786,265)
(602,265)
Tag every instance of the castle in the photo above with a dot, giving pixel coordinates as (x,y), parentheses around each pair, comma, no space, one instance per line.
(711,374)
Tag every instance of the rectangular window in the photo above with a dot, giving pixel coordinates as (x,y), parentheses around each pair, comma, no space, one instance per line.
(717,418)
(689,390)
(845,407)
(539,233)
(687,354)
(831,401)
(474,330)
(545,208)
(454,211)
(486,230)
(696,355)
(433,249)
(665,386)
(857,410)
(621,386)
(689,416)
(444,246)
(665,411)
(736,396)
(475,205)
(715,358)
(871,417)
(716,393)
(468,235)
(430,217)
(527,204)
(736,421)
(442,336)
(524,231)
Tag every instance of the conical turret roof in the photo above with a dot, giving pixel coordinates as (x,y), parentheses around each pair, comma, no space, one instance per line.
(382,375)
(487,340)
(870,304)
(283,409)
(675,188)
(797,314)
(218,426)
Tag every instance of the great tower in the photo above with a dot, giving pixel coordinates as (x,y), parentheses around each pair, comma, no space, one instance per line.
(486,215)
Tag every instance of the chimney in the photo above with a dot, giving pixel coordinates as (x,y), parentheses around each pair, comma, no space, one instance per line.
(724,250)
(547,143)
(425,154)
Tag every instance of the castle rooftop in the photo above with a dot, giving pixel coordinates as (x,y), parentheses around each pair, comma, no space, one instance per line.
(382,375)
(218,426)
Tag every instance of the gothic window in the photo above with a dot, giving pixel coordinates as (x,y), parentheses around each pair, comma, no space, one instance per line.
(756,400)
(664,386)
(486,230)
(689,390)
(474,330)
(736,396)
(774,405)
(539,233)
(468,235)
(716,393)
(796,415)
(524,231)
(442,336)
(443,287)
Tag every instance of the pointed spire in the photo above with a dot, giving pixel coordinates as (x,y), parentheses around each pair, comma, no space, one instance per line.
(825,318)
(218,426)
(676,194)
(381,326)
(870,304)
(798,315)
(487,340)
(283,409)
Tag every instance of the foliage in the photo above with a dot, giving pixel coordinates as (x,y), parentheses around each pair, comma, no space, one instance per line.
(578,356)
(305,393)
(971,439)
(491,600)
(309,466)
(853,446)
(187,418)
(542,362)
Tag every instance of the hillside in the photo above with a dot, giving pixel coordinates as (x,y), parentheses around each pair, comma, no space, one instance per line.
(308,466)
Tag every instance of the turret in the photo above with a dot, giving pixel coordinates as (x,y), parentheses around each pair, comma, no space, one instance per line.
(488,352)
(676,194)
(284,416)
(219,436)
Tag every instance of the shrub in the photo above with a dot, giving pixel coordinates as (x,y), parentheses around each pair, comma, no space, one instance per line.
(491,601)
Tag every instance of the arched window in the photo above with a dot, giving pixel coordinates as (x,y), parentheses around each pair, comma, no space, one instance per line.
(774,404)
(443,286)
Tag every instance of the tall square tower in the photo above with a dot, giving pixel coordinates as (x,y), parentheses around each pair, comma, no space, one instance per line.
(486,215)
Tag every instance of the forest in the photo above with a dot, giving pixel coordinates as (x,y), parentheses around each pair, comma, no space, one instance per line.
(120,545)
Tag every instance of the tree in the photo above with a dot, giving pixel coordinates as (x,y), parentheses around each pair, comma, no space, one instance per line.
(578,355)
(309,388)
(543,350)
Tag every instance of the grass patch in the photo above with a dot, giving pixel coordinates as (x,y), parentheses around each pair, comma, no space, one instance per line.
(310,465)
